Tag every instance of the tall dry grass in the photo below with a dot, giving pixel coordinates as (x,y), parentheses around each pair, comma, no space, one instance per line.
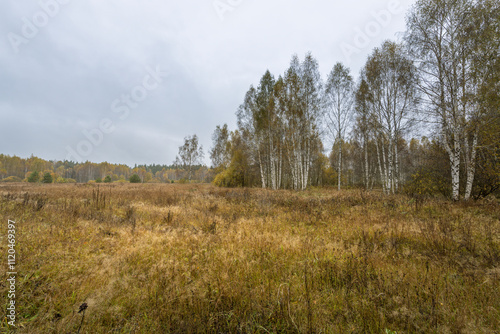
(195,258)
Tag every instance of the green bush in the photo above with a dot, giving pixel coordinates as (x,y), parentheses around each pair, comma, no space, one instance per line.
(34,177)
(135,179)
(107,179)
(426,182)
(47,178)
(98,180)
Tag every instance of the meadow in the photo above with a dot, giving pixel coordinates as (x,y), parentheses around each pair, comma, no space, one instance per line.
(172,258)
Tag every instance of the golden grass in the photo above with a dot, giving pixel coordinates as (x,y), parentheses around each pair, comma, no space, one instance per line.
(195,258)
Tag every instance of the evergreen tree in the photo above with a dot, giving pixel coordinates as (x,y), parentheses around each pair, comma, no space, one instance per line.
(47,178)
(135,179)
(34,177)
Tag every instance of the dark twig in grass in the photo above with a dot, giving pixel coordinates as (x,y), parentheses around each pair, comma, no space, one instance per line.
(83,307)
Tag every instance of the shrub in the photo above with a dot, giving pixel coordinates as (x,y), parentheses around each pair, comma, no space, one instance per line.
(234,176)
(47,178)
(98,180)
(34,177)
(60,180)
(107,179)
(135,179)
(229,178)
(64,180)
(12,179)
(425,182)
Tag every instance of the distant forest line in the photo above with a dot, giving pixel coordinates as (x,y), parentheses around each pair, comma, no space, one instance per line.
(16,169)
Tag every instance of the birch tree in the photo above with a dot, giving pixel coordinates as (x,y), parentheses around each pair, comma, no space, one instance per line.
(267,126)
(338,102)
(259,122)
(220,154)
(311,92)
(190,154)
(481,37)
(301,100)
(391,80)
(435,40)
(247,129)
(363,112)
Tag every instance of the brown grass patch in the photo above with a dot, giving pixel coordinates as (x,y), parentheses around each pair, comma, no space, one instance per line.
(184,258)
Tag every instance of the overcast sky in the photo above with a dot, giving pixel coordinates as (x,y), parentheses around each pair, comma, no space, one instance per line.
(125,81)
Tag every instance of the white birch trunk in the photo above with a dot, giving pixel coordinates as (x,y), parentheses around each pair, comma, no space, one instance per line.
(451,148)
(390,165)
(396,167)
(455,170)
(280,168)
(471,167)
(387,186)
(366,165)
(262,175)
(340,163)
(382,179)
(272,164)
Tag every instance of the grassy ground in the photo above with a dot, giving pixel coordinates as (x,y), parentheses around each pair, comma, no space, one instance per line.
(195,258)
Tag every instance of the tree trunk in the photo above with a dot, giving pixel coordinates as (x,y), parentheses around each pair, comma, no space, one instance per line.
(390,166)
(305,166)
(262,176)
(382,179)
(366,164)
(272,163)
(280,167)
(396,167)
(471,167)
(340,163)
(387,185)
(455,177)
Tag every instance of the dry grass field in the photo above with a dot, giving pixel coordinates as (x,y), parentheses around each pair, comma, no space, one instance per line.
(200,259)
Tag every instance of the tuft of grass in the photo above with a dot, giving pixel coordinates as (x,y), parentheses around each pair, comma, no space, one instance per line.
(176,258)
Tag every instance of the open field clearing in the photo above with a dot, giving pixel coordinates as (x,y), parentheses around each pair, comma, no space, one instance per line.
(196,258)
